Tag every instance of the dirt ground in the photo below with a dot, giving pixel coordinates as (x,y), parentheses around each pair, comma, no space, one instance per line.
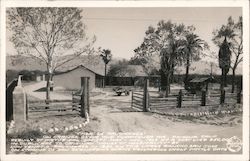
(112,113)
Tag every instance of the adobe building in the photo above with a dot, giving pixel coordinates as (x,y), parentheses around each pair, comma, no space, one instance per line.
(71,79)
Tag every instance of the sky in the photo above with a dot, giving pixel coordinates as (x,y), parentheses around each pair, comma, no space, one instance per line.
(122,29)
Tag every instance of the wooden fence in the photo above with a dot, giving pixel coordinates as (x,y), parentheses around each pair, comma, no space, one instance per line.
(79,104)
(145,100)
(189,100)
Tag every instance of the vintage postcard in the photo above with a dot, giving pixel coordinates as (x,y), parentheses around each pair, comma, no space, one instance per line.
(125,80)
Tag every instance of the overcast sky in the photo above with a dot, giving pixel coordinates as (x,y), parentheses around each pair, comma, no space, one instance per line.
(122,29)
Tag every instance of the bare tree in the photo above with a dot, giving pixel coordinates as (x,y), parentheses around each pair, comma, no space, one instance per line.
(53,35)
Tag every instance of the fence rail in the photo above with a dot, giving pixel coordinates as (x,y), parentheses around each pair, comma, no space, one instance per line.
(146,101)
(187,100)
(79,104)
(137,100)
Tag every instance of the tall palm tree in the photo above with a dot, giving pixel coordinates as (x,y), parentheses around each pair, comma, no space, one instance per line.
(106,57)
(193,50)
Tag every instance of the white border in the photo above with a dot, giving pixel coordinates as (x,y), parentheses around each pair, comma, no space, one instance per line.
(62,157)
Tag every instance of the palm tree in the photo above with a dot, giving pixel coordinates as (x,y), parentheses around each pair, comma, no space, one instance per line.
(193,50)
(106,57)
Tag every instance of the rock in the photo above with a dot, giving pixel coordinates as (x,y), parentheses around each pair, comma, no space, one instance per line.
(10,131)
(56,129)
(51,130)
(71,127)
(12,123)
(66,129)
(75,127)
(80,125)
(40,129)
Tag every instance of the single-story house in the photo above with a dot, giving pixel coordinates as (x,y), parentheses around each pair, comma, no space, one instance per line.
(71,79)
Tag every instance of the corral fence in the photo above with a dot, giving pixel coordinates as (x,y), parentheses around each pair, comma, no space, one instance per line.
(149,100)
(23,108)
(79,104)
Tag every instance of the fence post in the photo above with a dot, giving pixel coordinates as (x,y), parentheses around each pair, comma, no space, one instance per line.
(145,96)
(238,97)
(203,98)
(179,99)
(239,90)
(222,96)
(85,97)
(19,103)
(132,99)
(27,106)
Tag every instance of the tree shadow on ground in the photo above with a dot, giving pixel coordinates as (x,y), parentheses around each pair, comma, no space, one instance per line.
(43,89)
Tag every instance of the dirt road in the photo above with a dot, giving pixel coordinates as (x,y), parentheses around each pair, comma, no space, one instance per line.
(113,113)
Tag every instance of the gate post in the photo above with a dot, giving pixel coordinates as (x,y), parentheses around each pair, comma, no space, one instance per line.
(19,103)
(145,96)
(85,97)
(9,99)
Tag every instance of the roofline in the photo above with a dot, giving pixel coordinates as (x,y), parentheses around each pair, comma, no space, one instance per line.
(67,71)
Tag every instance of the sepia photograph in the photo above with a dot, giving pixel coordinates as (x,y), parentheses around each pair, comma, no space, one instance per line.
(128,79)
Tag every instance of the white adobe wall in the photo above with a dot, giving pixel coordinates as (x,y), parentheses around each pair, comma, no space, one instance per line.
(72,80)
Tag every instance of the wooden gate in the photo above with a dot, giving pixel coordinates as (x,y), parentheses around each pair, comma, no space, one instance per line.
(137,100)
(42,108)
(79,104)
(140,99)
